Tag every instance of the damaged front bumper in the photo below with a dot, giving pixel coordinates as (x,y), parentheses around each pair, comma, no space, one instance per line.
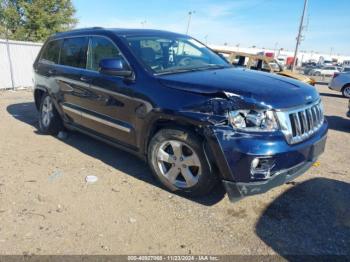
(235,153)
(238,190)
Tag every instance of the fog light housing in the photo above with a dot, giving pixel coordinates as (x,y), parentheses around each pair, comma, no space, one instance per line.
(260,168)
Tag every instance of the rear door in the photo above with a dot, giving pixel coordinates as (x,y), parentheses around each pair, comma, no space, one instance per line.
(46,66)
(70,77)
(49,58)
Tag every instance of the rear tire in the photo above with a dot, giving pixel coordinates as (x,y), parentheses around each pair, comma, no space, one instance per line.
(178,161)
(346,91)
(50,122)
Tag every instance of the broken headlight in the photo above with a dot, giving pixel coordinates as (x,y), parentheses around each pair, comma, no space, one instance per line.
(253,120)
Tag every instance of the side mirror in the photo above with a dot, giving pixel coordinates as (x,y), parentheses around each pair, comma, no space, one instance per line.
(115,67)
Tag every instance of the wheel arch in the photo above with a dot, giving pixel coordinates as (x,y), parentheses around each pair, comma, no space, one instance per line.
(169,123)
(344,86)
(38,94)
(180,124)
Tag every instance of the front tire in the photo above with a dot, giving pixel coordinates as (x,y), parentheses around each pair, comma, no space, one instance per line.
(50,122)
(178,161)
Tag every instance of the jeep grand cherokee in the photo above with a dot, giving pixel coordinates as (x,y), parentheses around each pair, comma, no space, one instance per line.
(178,105)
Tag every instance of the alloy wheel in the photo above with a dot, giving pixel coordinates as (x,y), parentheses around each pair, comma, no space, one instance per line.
(46,111)
(179,163)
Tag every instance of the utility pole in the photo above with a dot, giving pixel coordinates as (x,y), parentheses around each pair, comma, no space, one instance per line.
(301,26)
(206,39)
(190,13)
(274,50)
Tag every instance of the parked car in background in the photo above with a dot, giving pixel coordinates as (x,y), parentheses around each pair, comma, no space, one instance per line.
(308,68)
(327,63)
(346,63)
(262,63)
(175,103)
(324,71)
(345,69)
(341,82)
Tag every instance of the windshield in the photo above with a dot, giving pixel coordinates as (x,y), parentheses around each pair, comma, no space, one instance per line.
(171,54)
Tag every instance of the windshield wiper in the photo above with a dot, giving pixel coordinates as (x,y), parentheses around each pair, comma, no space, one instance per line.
(193,69)
(213,67)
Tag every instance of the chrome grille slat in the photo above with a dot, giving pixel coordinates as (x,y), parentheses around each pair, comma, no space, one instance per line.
(316,114)
(297,124)
(309,119)
(304,122)
(301,123)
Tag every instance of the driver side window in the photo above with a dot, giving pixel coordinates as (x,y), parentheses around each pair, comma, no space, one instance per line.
(101,48)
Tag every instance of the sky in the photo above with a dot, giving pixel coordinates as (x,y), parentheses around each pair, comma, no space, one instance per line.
(262,23)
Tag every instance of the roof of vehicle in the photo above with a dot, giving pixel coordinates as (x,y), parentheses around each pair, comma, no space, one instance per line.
(116,31)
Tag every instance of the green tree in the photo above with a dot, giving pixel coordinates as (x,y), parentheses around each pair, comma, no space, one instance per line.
(35,20)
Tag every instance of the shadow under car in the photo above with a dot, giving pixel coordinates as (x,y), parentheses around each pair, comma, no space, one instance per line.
(114,157)
(311,218)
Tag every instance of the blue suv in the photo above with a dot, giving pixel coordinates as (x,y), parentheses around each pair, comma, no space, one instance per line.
(183,108)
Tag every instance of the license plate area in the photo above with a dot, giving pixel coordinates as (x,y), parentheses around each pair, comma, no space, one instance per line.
(317,149)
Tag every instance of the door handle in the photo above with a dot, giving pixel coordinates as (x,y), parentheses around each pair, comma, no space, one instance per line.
(51,71)
(84,79)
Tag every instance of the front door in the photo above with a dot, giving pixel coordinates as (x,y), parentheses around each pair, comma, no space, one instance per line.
(109,107)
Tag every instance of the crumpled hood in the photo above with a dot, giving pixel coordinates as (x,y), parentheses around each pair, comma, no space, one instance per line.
(267,89)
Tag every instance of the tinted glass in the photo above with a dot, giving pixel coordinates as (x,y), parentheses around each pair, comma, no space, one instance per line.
(51,52)
(74,51)
(101,48)
(172,54)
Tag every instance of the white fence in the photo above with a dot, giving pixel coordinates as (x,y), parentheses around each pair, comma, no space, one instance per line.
(16,63)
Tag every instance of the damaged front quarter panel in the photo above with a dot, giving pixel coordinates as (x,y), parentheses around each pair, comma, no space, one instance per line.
(213,114)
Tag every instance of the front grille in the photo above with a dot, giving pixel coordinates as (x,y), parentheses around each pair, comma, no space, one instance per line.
(301,123)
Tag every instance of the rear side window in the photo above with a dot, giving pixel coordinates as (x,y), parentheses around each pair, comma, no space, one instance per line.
(74,51)
(51,52)
(101,48)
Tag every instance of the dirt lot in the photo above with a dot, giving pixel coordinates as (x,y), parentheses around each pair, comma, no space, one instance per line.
(47,208)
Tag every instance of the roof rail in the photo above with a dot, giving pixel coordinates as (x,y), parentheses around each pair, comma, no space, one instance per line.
(81,29)
(90,28)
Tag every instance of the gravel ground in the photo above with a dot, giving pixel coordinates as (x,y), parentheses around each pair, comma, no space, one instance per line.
(47,208)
